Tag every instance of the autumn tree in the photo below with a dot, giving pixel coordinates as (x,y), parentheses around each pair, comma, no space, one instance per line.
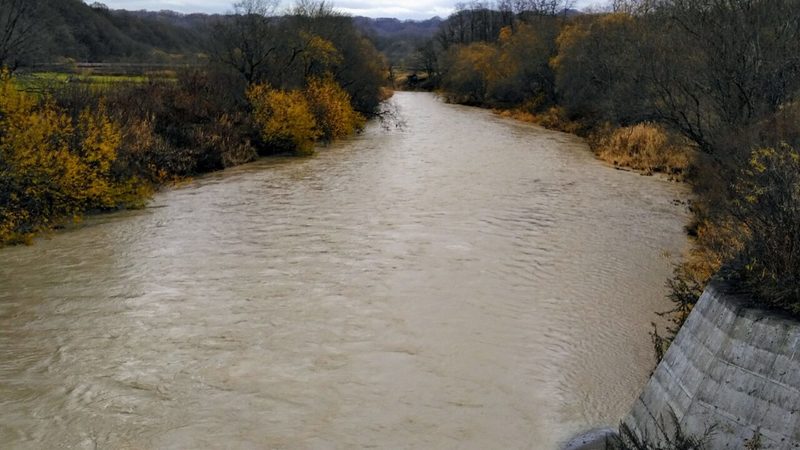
(470,70)
(525,54)
(598,69)
(331,44)
(719,65)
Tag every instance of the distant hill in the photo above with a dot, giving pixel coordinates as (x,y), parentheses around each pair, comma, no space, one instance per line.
(398,39)
(387,27)
(94,33)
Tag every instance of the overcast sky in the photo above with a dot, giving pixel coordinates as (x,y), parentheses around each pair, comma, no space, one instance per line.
(402,9)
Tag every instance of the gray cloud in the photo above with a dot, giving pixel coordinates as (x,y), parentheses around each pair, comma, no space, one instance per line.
(402,9)
(184,6)
(395,8)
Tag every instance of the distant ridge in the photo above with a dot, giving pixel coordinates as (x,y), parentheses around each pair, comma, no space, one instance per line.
(94,33)
(391,27)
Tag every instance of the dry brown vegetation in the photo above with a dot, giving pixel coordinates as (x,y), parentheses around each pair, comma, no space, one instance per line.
(646,147)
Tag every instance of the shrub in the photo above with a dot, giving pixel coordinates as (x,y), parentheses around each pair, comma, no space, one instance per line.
(197,123)
(767,203)
(332,110)
(284,119)
(717,241)
(673,439)
(95,141)
(555,118)
(53,166)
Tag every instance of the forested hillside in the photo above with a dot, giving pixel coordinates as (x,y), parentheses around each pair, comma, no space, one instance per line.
(93,33)
(74,30)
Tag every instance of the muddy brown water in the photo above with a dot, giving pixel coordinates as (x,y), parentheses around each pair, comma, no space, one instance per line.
(463,281)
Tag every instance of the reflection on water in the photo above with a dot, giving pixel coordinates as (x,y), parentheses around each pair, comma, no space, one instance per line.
(465,281)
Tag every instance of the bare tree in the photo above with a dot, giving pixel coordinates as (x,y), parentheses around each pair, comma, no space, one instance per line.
(313,9)
(633,7)
(17,31)
(247,37)
(720,65)
(542,7)
(426,59)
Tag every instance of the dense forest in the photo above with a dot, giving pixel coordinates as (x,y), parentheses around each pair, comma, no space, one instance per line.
(704,90)
(268,83)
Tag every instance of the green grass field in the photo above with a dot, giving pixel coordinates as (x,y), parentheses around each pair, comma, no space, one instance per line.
(41,81)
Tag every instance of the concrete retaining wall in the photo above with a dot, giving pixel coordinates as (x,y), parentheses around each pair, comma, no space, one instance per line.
(731,367)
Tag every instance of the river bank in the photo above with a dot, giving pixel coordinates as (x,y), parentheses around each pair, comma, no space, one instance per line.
(731,376)
(729,380)
(645,148)
(70,150)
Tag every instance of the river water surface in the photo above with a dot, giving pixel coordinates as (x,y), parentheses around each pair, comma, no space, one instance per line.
(463,281)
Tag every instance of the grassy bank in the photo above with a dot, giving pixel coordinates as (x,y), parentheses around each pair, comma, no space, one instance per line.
(647,148)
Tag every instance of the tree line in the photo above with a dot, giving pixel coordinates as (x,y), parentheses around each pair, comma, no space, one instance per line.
(274,83)
(704,89)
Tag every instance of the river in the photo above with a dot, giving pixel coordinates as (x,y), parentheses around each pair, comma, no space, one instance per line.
(461,281)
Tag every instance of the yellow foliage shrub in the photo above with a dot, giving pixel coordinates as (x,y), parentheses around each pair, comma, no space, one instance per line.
(50,167)
(332,110)
(99,140)
(284,119)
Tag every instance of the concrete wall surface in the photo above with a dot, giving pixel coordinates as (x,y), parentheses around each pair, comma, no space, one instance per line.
(731,367)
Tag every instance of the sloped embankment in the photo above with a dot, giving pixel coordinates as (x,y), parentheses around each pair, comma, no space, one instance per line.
(731,367)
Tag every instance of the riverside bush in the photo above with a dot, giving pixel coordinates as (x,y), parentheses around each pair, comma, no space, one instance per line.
(197,123)
(284,118)
(767,204)
(333,112)
(54,166)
